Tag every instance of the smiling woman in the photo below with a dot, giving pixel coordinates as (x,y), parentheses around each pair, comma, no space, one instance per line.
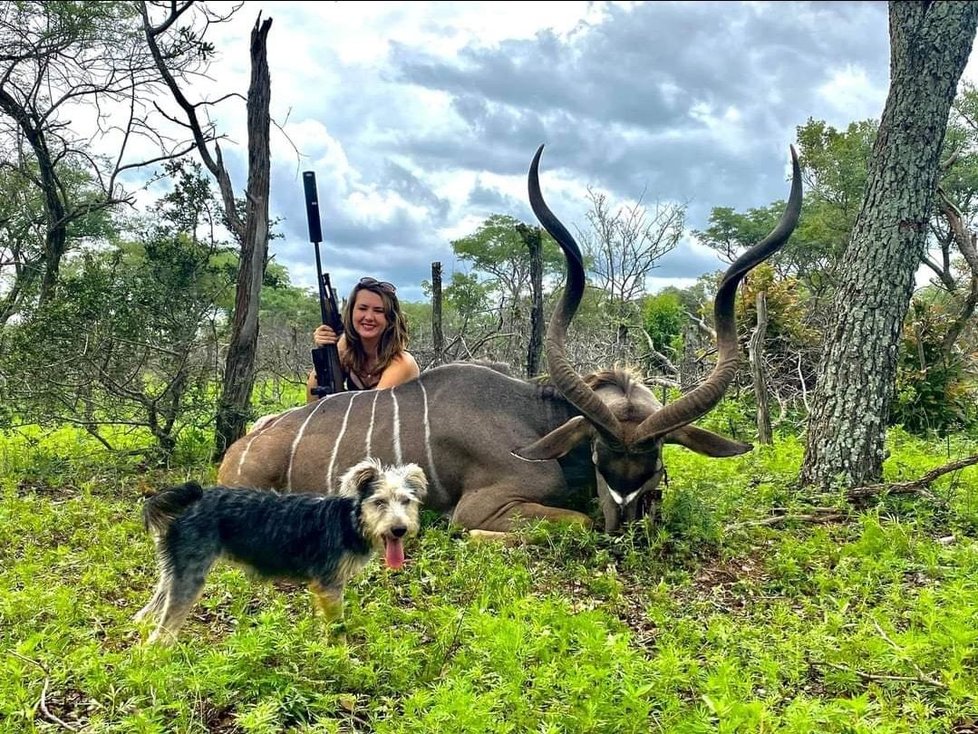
(373,346)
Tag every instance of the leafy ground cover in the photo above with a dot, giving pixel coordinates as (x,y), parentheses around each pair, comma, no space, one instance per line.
(706,623)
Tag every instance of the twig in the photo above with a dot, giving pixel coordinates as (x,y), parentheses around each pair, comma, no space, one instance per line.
(804,390)
(816,510)
(42,704)
(920,673)
(817,515)
(453,645)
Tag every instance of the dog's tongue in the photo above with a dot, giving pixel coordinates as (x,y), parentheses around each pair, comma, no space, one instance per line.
(394,552)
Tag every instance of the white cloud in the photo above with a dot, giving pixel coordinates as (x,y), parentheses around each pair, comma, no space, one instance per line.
(421,118)
(851,95)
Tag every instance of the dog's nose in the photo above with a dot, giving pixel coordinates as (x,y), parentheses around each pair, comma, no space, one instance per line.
(398,532)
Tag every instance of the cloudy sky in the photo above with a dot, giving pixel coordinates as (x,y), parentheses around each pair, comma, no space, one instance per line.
(420,119)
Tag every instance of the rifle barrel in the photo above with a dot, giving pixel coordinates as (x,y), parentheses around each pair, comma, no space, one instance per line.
(312,207)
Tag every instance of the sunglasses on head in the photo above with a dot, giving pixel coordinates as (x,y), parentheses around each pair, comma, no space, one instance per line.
(382,284)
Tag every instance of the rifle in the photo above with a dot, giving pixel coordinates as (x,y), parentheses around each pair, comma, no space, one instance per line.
(325,360)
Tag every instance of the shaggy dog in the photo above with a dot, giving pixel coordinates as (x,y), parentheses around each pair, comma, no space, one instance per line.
(324,541)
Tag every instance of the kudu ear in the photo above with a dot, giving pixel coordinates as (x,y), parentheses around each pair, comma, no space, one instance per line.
(416,481)
(359,478)
(706,442)
(558,442)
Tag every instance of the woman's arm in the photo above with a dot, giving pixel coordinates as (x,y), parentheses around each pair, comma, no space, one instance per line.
(401,369)
(323,336)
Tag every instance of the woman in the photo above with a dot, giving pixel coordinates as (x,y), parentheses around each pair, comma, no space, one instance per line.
(373,346)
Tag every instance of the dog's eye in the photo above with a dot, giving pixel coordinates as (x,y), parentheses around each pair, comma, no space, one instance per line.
(380,504)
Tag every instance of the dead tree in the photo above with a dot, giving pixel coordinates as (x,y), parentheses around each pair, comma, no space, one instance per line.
(534,350)
(437,335)
(965,240)
(250,230)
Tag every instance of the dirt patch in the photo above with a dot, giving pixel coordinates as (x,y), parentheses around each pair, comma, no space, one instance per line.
(218,719)
(40,487)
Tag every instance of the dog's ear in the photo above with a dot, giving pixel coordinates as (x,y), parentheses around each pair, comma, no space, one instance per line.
(415,478)
(358,479)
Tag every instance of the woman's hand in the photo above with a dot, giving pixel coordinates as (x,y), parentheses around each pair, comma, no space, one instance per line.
(324,335)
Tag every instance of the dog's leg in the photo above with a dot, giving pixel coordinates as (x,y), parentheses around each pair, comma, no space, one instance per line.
(328,599)
(181,599)
(155,605)
(185,585)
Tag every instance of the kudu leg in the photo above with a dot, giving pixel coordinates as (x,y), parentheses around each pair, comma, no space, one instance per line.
(481,511)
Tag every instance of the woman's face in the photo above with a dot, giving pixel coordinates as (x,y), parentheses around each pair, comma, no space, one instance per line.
(369,315)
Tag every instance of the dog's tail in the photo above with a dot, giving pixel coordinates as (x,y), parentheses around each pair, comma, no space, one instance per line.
(163,507)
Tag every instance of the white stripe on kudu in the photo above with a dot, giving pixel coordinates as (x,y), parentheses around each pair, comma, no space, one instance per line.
(370,429)
(244,454)
(298,437)
(339,439)
(396,429)
(256,430)
(427,439)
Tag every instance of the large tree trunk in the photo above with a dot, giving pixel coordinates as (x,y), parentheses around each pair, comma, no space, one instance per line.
(929,46)
(239,373)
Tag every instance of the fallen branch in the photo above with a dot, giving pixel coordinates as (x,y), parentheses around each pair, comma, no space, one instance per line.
(814,515)
(917,486)
(925,679)
(42,702)
(782,515)
(663,381)
(921,675)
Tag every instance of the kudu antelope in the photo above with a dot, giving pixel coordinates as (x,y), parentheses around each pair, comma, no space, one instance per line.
(497,448)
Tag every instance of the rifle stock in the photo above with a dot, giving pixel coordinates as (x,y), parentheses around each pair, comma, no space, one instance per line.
(325,360)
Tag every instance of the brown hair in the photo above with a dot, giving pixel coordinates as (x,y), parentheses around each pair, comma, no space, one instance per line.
(393,341)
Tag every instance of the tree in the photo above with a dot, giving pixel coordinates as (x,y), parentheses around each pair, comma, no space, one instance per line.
(663,319)
(934,392)
(146,357)
(57,57)
(469,323)
(834,169)
(288,316)
(954,228)
(250,228)
(503,247)
(533,236)
(930,43)
(623,247)
(25,234)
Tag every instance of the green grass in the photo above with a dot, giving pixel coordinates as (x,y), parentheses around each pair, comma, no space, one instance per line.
(867,625)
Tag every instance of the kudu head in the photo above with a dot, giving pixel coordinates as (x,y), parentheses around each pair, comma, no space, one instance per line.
(624,423)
